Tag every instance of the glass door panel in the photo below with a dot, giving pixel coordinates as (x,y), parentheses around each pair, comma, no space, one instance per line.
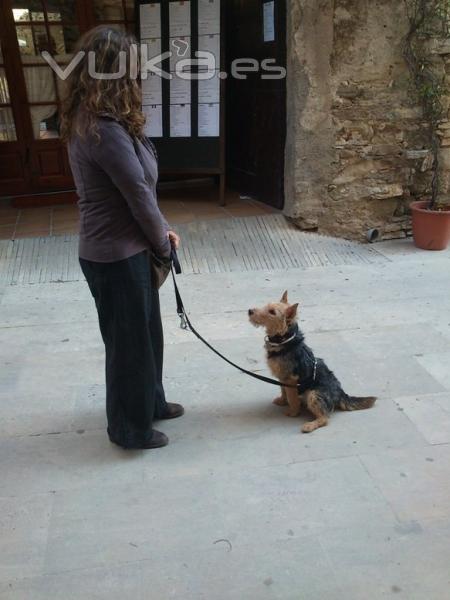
(40,84)
(51,26)
(63,39)
(44,10)
(4,89)
(32,40)
(45,122)
(7,125)
(61,10)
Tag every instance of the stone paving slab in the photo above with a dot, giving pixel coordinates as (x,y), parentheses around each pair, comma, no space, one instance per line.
(23,535)
(438,365)
(214,570)
(430,414)
(375,561)
(414,482)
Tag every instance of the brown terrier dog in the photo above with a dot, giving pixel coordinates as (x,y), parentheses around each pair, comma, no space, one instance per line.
(293,363)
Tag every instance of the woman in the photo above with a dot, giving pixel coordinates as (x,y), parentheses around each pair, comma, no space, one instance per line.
(115,172)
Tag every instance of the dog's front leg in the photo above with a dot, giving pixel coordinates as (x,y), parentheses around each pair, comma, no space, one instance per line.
(281,400)
(293,400)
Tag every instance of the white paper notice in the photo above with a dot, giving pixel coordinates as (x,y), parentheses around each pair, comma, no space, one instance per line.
(180,19)
(269,22)
(180,91)
(152,90)
(150,20)
(211,44)
(153,48)
(154,124)
(208,120)
(180,120)
(209,89)
(208,17)
(181,50)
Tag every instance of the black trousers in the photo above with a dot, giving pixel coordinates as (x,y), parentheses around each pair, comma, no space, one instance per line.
(130,323)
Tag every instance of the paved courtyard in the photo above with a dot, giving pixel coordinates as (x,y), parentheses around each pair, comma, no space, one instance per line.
(240,505)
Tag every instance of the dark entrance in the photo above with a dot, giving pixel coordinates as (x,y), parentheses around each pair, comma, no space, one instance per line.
(256,107)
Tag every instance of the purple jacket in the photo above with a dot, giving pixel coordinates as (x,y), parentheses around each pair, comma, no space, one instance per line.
(116,184)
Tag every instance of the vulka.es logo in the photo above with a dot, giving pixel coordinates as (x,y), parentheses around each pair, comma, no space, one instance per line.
(203,66)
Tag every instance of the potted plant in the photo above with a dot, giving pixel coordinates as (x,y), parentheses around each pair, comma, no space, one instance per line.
(430,22)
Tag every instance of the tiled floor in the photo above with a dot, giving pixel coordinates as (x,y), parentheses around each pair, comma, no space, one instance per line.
(178,207)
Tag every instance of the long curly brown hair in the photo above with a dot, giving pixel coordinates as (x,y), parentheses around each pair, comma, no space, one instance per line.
(85,97)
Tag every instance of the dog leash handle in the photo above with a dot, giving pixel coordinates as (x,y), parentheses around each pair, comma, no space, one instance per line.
(175,261)
(175,268)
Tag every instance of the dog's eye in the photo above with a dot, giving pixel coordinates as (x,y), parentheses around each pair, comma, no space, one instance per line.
(272,312)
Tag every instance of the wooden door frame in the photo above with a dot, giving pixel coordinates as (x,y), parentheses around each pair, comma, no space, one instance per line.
(26,146)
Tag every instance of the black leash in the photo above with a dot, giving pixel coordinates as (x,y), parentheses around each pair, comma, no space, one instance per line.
(187,325)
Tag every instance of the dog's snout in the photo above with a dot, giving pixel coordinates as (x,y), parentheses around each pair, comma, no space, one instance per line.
(250,312)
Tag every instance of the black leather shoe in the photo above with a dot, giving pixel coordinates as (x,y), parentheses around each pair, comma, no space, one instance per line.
(173,411)
(158,440)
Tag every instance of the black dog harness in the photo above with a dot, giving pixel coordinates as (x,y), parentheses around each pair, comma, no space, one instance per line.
(187,325)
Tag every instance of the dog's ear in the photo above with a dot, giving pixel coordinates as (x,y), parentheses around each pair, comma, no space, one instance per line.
(284,298)
(291,312)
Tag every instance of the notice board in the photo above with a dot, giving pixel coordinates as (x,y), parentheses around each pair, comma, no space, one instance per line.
(184,105)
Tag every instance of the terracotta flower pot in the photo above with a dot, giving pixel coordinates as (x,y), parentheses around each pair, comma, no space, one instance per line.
(431,228)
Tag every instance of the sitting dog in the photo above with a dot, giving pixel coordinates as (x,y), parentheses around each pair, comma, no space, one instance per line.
(293,363)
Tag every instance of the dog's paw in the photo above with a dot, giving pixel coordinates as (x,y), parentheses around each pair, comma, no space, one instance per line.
(280,401)
(308,427)
(291,413)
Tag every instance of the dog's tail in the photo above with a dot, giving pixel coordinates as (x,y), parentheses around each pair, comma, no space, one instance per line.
(355,402)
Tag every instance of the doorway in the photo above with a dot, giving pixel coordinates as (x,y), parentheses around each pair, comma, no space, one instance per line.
(256,107)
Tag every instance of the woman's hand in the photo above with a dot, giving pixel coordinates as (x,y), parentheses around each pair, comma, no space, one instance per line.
(174,239)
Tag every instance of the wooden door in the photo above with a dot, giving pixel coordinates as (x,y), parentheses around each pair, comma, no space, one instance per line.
(256,107)
(30,27)
(32,157)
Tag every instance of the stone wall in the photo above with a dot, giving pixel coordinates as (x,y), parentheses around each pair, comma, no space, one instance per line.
(357,151)
(439,55)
